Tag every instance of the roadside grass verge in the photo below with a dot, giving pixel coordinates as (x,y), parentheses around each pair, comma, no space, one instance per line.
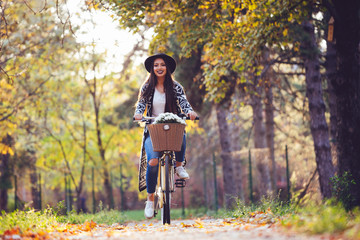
(270,206)
(49,219)
(311,217)
(24,220)
(176,214)
(324,217)
(107,217)
(327,217)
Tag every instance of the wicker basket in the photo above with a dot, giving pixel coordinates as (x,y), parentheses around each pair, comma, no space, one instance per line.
(166,136)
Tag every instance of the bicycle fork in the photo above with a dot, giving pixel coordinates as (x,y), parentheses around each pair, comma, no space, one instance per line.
(162,170)
(161,182)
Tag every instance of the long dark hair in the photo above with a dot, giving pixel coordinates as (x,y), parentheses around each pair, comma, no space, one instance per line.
(170,95)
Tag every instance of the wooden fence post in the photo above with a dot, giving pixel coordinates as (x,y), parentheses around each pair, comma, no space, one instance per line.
(121,189)
(215,185)
(250,179)
(93,190)
(15,192)
(39,191)
(287,173)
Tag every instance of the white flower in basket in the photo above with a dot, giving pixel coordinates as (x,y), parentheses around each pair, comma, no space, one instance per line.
(164,134)
(168,118)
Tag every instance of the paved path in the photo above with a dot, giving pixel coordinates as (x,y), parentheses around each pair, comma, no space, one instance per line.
(186,230)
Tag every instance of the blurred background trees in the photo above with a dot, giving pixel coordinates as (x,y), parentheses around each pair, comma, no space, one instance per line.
(262,75)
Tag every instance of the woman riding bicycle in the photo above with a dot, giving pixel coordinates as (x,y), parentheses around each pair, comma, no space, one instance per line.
(160,93)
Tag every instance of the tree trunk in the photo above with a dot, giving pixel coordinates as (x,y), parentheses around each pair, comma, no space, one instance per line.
(235,140)
(259,139)
(228,175)
(330,78)
(347,90)
(5,174)
(34,182)
(259,131)
(80,200)
(101,148)
(108,189)
(318,125)
(269,127)
(80,203)
(5,182)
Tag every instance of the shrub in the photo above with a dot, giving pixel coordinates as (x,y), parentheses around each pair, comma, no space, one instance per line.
(341,186)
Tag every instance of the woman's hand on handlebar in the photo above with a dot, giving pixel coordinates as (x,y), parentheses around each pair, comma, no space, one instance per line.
(192,115)
(138,116)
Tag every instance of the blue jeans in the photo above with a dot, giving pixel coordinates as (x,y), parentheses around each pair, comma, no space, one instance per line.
(152,171)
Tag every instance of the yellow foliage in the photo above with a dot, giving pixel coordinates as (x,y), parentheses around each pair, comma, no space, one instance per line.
(193,127)
(252,6)
(4,85)
(4,149)
(285,32)
(290,18)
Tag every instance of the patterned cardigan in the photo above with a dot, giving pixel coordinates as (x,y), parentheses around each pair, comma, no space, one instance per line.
(146,105)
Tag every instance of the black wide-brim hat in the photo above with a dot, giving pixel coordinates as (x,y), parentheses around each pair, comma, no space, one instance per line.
(169,61)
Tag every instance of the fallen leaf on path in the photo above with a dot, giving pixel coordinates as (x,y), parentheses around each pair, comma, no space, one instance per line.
(186,225)
(198,223)
(120,228)
(87,226)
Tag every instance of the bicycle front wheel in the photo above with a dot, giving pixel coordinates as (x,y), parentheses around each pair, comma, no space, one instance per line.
(167,193)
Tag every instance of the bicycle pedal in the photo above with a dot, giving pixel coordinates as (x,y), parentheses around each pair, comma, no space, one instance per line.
(180,183)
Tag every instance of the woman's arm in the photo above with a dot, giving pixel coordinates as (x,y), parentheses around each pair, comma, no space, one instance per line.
(184,103)
(141,103)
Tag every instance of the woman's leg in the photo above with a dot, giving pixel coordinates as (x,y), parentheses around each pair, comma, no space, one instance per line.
(152,168)
(151,176)
(180,156)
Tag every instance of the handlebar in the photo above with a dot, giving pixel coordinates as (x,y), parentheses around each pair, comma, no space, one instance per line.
(148,119)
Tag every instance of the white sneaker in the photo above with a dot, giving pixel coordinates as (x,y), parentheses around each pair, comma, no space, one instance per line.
(149,209)
(181,172)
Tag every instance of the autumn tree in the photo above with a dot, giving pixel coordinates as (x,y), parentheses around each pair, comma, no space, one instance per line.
(347,88)
(275,18)
(235,34)
(28,43)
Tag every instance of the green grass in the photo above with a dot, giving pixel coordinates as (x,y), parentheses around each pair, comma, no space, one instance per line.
(24,220)
(114,216)
(138,215)
(43,220)
(266,205)
(322,217)
(311,217)
(103,217)
(327,217)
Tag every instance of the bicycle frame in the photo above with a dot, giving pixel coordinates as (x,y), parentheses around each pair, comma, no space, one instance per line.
(165,185)
(162,167)
(165,182)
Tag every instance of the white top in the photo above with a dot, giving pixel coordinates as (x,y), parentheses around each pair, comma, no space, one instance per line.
(159,101)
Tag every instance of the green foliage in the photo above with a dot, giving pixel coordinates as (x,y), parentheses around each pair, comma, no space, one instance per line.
(311,217)
(176,213)
(60,209)
(268,204)
(49,219)
(48,104)
(327,217)
(102,217)
(233,35)
(341,186)
(34,220)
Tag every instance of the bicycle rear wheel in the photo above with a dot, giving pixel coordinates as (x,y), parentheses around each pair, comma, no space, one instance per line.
(165,213)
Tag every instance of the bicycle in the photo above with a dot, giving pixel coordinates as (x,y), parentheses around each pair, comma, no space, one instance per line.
(165,181)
